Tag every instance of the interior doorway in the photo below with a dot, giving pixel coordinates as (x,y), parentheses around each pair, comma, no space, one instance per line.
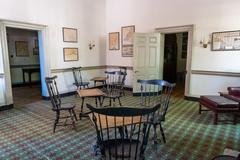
(24,60)
(175,60)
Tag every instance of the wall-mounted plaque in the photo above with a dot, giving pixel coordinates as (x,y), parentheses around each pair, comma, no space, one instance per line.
(114,41)
(127,41)
(69,35)
(70,54)
(21,48)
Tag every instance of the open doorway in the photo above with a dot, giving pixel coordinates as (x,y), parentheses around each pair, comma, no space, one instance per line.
(175,60)
(24,60)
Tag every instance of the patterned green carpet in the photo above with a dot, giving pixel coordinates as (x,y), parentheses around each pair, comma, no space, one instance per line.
(26,133)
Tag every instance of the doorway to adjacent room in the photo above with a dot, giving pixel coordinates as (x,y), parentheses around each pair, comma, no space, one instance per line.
(23,50)
(175,59)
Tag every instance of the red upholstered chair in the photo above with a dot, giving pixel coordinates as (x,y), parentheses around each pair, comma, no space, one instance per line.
(233,93)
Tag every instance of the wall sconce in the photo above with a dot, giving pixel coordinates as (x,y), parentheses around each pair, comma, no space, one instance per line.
(205,43)
(91,45)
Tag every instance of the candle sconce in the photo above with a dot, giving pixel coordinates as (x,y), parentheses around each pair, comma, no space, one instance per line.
(91,45)
(205,43)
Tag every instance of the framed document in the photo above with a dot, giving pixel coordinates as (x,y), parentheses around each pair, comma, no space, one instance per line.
(114,41)
(21,48)
(69,35)
(127,41)
(70,54)
(226,41)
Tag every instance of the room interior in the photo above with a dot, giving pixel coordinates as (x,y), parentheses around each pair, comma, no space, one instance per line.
(91,35)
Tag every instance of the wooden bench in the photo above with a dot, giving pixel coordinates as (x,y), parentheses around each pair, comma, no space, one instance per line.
(219,104)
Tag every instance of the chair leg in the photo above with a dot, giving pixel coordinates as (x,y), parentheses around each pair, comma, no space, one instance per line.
(155,133)
(72,118)
(200,108)
(119,101)
(96,101)
(56,121)
(102,101)
(110,102)
(74,114)
(163,136)
(114,102)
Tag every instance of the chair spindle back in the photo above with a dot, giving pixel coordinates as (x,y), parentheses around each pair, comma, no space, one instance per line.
(122,132)
(53,92)
(156,91)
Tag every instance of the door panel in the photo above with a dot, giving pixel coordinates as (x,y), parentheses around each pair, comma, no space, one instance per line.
(147,61)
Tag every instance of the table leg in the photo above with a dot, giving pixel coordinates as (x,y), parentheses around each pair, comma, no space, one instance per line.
(215,118)
(30,79)
(235,119)
(23,73)
(81,112)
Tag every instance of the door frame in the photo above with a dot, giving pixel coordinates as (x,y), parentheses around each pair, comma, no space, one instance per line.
(43,47)
(178,29)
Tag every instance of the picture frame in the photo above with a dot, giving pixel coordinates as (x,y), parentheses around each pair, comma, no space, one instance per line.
(36,51)
(226,41)
(70,35)
(21,48)
(114,41)
(70,54)
(127,33)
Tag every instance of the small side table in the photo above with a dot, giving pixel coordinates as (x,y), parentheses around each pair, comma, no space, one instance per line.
(29,71)
(99,79)
(91,93)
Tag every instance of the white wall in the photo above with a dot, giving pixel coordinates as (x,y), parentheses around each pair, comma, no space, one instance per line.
(88,16)
(207,17)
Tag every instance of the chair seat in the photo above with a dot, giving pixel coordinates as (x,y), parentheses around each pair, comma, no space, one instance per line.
(66,106)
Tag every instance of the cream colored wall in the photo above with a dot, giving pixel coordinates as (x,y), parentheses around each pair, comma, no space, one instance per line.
(207,17)
(88,16)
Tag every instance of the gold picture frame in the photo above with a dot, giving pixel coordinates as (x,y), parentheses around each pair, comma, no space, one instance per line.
(70,54)
(127,33)
(114,41)
(21,48)
(70,35)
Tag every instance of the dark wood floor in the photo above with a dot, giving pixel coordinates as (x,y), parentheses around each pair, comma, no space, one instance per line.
(26,95)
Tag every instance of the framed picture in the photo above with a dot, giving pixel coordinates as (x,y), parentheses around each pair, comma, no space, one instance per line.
(226,41)
(127,40)
(114,41)
(69,35)
(21,48)
(70,54)
(35,51)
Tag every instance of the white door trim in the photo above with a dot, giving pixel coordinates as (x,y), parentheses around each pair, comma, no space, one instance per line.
(45,68)
(177,29)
